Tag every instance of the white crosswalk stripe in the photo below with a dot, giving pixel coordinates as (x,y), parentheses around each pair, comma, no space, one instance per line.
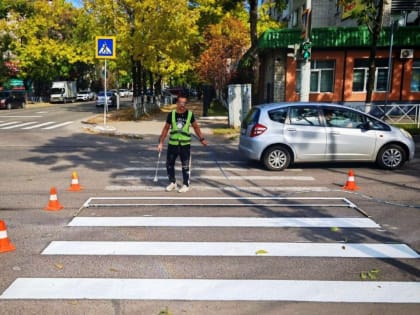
(58,125)
(9,123)
(214,290)
(39,125)
(231,249)
(49,125)
(20,125)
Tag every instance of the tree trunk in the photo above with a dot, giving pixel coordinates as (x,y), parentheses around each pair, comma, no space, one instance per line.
(253,20)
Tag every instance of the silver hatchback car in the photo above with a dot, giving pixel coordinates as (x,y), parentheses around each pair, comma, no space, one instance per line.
(283,133)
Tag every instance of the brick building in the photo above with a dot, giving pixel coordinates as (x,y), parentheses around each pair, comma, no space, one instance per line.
(340,55)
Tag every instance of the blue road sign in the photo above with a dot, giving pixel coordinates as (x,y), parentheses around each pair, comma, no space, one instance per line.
(105,47)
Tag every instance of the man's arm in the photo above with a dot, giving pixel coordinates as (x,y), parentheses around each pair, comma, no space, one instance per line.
(163,135)
(198,133)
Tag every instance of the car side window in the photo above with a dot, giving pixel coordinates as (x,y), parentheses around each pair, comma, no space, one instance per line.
(306,116)
(343,118)
(278,115)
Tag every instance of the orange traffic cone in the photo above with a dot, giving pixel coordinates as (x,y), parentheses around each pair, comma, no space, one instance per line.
(53,204)
(351,183)
(75,186)
(5,244)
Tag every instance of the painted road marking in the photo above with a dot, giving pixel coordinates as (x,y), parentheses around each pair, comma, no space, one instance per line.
(20,125)
(216,201)
(39,125)
(9,123)
(31,116)
(362,250)
(200,168)
(251,177)
(225,222)
(226,188)
(58,125)
(214,290)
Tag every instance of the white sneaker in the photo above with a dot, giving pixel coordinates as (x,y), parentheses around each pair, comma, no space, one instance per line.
(171,186)
(183,189)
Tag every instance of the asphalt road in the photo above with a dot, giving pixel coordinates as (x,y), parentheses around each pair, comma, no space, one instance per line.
(243,241)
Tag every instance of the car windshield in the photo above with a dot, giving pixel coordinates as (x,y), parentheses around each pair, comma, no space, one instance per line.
(103,94)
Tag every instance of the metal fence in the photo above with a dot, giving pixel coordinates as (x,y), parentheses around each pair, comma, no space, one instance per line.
(394,113)
(149,104)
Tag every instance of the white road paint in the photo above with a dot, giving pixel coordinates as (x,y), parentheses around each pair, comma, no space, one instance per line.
(228,177)
(353,250)
(20,116)
(39,125)
(9,123)
(214,290)
(58,125)
(20,125)
(225,222)
(226,188)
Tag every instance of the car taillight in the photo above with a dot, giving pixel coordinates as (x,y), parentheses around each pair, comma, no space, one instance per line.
(257,130)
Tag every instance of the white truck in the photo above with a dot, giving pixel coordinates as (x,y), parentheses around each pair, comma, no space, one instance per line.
(63,92)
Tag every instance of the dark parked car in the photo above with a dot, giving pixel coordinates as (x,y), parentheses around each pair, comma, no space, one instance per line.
(12,99)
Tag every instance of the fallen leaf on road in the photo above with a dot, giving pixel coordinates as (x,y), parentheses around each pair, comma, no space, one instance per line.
(261,252)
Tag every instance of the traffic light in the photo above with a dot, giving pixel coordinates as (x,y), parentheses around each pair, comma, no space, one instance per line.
(306,50)
(293,51)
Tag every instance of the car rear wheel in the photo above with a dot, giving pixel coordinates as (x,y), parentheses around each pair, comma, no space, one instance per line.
(391,157)
(276,158)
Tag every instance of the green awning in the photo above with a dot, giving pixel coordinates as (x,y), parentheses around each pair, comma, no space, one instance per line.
(332,37)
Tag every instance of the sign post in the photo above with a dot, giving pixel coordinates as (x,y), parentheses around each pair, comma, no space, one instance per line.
(105,48)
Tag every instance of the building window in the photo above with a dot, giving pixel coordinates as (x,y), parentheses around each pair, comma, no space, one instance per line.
(415,79)
(361,72)
(322,76)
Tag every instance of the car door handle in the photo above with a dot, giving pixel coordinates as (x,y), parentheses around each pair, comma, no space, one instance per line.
(291,129)
(334,133)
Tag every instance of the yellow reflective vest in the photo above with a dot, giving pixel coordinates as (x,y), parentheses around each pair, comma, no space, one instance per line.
(180,136)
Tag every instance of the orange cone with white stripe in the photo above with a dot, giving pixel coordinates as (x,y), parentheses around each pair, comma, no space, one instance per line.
(351,182)
(53,204)
(5,244)
(75,186)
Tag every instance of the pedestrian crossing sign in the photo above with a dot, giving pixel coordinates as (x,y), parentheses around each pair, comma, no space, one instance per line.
(105,47)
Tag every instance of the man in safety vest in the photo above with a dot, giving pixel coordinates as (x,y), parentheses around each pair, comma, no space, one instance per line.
(178,122)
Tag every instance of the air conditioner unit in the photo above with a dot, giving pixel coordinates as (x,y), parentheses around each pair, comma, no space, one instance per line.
(406,53)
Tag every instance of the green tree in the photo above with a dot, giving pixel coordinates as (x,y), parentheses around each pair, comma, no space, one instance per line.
(227,42)
(153,36)
(46,42)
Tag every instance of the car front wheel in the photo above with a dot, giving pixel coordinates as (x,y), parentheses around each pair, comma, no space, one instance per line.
(391,157)
(276,158)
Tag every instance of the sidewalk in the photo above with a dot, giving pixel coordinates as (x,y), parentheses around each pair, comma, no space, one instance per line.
(151,125)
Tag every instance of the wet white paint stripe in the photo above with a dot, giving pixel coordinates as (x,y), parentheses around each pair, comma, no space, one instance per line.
(225,222)
(58,125)
(226,188)
(231,249)
(40,125)
(214,290)
(20,125)
(9,123)
(266,178)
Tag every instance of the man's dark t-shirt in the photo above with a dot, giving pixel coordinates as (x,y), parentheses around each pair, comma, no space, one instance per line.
(180,119)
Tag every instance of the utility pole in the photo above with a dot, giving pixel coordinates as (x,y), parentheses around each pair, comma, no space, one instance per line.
(306,54)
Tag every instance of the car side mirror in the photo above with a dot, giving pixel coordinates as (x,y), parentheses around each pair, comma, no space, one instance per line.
(366,126)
